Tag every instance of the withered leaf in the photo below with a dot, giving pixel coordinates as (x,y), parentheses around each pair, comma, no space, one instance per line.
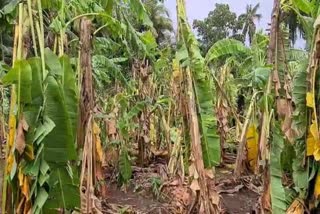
(195,185)
(20,138)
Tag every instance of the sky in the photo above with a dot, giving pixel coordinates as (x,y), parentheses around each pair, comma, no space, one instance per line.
(199,9)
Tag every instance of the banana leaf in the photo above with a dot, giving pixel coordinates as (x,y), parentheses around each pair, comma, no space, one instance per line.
(64,189)
(21,75)
(226,47)
(279,196)
(59,144)
(299,93)
(304,5)
(70,93)
(204,93)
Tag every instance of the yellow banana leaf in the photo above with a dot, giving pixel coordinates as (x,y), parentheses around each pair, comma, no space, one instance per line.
(252,146)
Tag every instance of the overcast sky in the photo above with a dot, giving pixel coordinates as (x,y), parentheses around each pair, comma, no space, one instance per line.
(199,9)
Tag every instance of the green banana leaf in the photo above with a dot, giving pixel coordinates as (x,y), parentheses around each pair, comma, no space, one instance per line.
(138,7)
(52,62)
(64,189)
(70,93)
(278,193)
(21,75)
(299,93)
(226,47)
(33,110)
(300,173)
(59,144)
(303,5)
(40,200)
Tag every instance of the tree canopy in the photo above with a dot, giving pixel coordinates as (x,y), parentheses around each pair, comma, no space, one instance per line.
(221,23)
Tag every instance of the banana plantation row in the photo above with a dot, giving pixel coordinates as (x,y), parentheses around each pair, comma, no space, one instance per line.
(91,85)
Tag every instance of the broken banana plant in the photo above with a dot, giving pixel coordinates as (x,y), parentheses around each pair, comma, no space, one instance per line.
(266,115)
(205,150)
(88,133)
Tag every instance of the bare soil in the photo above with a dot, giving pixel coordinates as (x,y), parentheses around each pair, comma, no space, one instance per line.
(242,202)
(235,197)
(131,202)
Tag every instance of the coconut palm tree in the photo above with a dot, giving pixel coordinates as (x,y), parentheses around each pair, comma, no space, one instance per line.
(248,19)
(159,16)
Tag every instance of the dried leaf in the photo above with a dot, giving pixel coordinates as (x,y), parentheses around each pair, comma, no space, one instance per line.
(20,138)
(191,169)
(20,177)
(175,182)
(10,162)
(215,198)
(153,131)
(12,121)
(195,185)
(201,209)
(146,139)
(157,152)
(186,198)
(24,184)
(282,107)
(296,207)
(111,127)
(111,157)
(193,172)
(233,190)
(25,188)
(209,173)
(96,132)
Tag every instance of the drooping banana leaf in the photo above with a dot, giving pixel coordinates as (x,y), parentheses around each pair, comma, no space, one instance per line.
(33,110)
(303,5)
(8,7)
(37,88)
(20,75)
(279,197)
(226,47)
(300,173)
(299,94)
(52,62)
(204,93)
(64,189)
(138,7)
(59,145)
(70,93)
(40,200)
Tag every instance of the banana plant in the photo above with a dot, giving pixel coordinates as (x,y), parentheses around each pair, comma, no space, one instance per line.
(205,150)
